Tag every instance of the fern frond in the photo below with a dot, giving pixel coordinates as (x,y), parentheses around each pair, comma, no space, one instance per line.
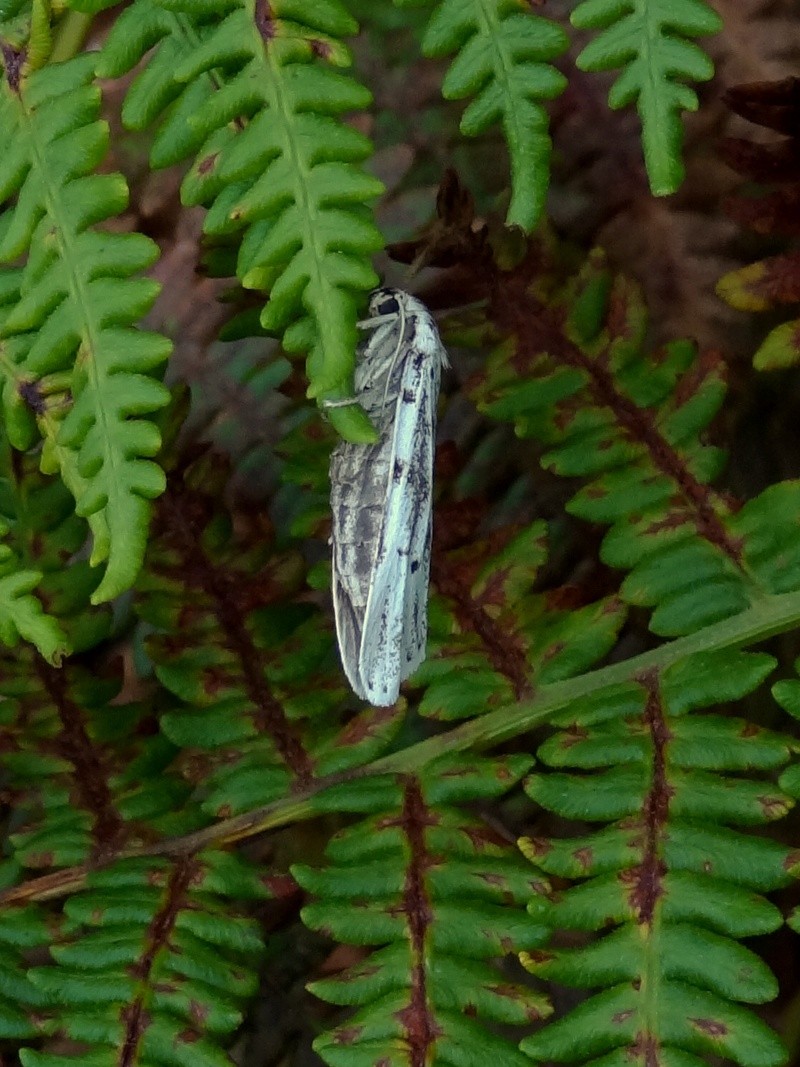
(84,773)
(23,931)
(278,168)
(261,698)
(632,428)
(78,301)
(676,885)
(21,613)
(156,960)
(436,888)
(40,530)
(492,639)
(79,786)
(649,40)
(154,97)
(503,53)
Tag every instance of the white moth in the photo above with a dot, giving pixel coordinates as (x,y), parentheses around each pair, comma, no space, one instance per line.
(381,500)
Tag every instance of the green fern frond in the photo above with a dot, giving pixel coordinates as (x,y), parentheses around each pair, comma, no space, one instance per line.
(676,885)
(437,889)
(260,694)
(491,639)
(77,305)
(40,530)
(632,428)
(278,168)
(21,613)
(154,97)
(23,931)
(648,39)
(84,772)
(503,53)
(80,788)
(155,960)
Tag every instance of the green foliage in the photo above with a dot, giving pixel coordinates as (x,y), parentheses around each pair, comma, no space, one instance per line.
(153,960)
(437,889)
(41,531)
(493,639)
(70,327)
(258,685)
(23,930)
(503,53)
(647,39)
(666,886)
(274,163)
(140,743)
(21,614)
(631,427)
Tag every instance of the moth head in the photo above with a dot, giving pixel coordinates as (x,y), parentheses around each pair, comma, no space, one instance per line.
(383,302)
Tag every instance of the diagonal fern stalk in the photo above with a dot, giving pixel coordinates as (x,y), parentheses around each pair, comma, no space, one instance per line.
(503,53)
(649,41)
(279,170)
(78,302)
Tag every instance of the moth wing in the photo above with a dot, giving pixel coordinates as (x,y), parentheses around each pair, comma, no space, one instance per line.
(395,620)
(356,503)
(348,633)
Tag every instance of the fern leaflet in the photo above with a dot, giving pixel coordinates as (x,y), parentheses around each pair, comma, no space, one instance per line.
(648,38)
(434,887)
(155,963)
(631,428)
(673,883)
(78,302)
(503,59)
(278,168)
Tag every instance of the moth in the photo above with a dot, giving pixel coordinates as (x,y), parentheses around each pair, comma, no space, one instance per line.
(381,501)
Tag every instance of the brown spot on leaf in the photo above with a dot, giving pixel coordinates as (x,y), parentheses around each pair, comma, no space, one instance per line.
(622,1016)
(711,1027)
(321,49)
(773,807)
(207,164)
(13,62)
(584,856)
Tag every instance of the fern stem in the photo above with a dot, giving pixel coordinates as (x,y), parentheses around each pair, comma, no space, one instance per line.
(773,615)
